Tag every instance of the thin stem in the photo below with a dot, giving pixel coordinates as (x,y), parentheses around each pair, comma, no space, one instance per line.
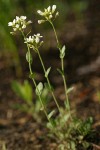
(62,67)
(48,81)
(30,69)
(65,86)
(43,106)
(39,95)
(58,44)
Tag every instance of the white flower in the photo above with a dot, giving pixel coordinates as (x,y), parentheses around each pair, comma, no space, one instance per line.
(29,40)
(49,13)
(37,40)
(24,26)
(57,14)
(14,21)
(29,22)
(17,18)
(34,41)
(48,9)
(50,16)
(37,37)
(40,12)
(19,23)
(23,17)
(10,23)
(15,29)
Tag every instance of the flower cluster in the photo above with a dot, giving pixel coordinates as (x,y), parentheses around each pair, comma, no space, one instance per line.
(34,41)
(19,23)
(48,14)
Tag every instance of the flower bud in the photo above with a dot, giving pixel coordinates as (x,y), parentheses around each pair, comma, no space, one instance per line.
(53,8)
(40,12)
(50,16)
(57,14)
(41,21)
(49,8)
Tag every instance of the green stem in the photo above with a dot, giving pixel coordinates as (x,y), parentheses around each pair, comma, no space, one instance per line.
(58,44)
(43,106)
(62,67)
(30,69)
(48,81)
(65,86)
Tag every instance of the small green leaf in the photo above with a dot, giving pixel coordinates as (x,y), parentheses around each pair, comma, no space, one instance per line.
(45,94)
(51,114)
(63,49)
(37,106)
(52,124)
(61,147)
(47,72)
(62,52)
(27,92)
(17,88)
(24,90)
(70,89)
(64,119)
(29,57)
(40,86)
(73,145)
(39,89)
